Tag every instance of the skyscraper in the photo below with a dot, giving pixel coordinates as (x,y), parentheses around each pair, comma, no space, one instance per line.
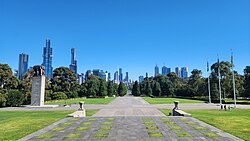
(47,59)
(178,71)
(116,77)
(73,65)
(184,72)
(23,65)
(146,74)
(126,77)
(166,70)
(109,76)
(156,70)
(120,75)
(141,78)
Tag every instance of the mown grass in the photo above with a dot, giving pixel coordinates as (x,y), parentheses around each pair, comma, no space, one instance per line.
(85,100)
(170,100)
(17,124)
(235,122)
(155,134)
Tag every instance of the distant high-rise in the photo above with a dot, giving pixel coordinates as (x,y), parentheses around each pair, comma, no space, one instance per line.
(120,75)
(166,70)
(80,78)
(116,77)
(146,74)
(23,65)
(126,77)
(88,74)
(73,65)
(178,71)
(96,72)
(47,60)
(156,70)
(109,76)
(141,78)
(184,72)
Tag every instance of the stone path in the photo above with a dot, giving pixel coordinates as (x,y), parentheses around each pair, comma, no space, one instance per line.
(130,118)
(128,106)
(131,128)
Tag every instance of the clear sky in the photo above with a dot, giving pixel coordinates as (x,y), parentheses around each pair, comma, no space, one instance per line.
(131,34)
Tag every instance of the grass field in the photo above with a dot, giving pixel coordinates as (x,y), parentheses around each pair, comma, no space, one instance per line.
(86,101)
(17,124)
(169,100)
(238,101)
(236,122)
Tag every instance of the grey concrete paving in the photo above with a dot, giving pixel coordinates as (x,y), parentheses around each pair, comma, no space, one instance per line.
(127,119)
(130,129)
(128,106)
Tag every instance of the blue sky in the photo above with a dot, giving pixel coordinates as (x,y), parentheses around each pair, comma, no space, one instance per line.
(131,34)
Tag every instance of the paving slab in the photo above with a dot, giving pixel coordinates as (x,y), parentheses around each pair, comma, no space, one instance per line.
(130,128)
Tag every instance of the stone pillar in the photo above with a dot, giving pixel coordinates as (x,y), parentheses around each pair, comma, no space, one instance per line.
(38,90)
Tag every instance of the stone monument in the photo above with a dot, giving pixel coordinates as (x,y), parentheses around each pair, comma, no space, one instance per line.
(38,86)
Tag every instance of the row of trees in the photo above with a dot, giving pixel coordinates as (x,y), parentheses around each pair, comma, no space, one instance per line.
(63,85)
(196,86)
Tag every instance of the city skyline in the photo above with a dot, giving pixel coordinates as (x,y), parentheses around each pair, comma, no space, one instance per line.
(132,35)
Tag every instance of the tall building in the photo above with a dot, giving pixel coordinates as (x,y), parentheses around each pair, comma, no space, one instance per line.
(116,77)
(80,78)
(156,70)
(166,70)
(73,65)
(47,59)
(23,65)
(178,71)
(88,74)
(109,76)
(96,72)
(126,77)
(146,74)
(184,72)
(141,78)
(120,75)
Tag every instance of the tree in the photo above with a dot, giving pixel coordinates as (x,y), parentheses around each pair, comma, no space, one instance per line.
(247,81)
(148,90)
(136,89)
(3,97)
(83,90)
(15,98)
(7,80)
(58,95)
(197,83)
(122,89)
(156,89)
(92,86)
(64,80)
(103,88)
(111,89)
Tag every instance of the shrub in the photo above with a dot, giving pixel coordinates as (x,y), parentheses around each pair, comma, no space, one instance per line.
(15,98)
(58,95)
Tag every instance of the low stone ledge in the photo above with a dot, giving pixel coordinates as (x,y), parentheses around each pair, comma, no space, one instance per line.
(79,113)
(181,113)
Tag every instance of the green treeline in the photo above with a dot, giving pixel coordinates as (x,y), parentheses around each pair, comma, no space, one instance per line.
(63,85)
(196,86)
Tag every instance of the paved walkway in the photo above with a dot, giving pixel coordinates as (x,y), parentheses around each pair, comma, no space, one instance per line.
(128,106)
(133,119)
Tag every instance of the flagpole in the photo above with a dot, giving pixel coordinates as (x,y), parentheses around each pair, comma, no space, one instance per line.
(209,95)
(219,81)
(208,79)
(233,79)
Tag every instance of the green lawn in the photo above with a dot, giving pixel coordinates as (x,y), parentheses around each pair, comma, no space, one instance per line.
(17,124)
(86,101)
(238,100)
(236,122)
(170,100)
